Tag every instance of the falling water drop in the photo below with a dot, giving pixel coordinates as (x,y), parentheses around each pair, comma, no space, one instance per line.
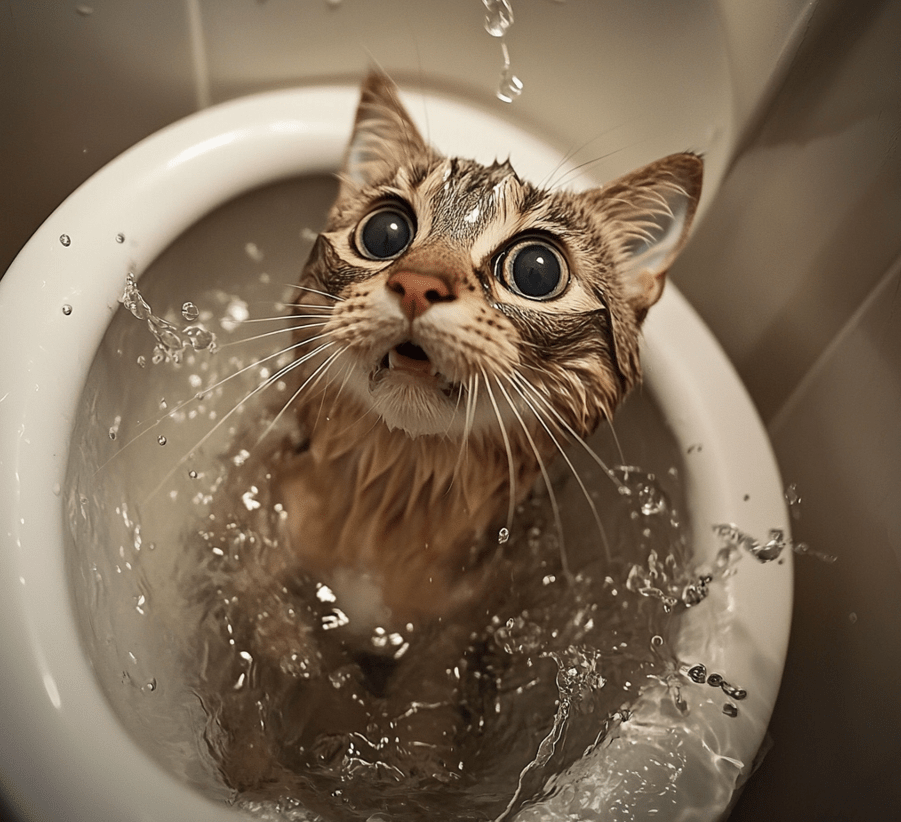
(67,309)
(161,439)
(499,17)
(65,239)
(120,238)
(503,536)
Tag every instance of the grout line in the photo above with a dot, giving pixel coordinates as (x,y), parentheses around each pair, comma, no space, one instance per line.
(780,418)
(200,65)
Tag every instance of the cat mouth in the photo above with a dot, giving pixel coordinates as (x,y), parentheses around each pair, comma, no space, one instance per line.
(410,360)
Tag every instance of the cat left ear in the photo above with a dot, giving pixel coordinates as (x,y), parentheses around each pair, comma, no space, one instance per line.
(647,215)
(384,136)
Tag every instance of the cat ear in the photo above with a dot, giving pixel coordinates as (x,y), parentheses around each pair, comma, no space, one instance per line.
(384,136)
(647,215)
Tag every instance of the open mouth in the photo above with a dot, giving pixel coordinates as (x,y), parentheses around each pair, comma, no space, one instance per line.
(410,360)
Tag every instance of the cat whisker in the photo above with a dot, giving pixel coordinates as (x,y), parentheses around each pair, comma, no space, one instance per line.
(555,507)
(594,511)
(269,381)
(511,467)
(570,431)
(275,332)
(314,377)
(334,297)
(206,390)
(472,392)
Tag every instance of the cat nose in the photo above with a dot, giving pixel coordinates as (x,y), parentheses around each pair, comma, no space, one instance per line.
(419,292)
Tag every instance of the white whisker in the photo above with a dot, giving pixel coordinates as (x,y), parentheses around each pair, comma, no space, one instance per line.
(555,507)
(569,429)
(262,386)
(275,332)
(568,461)
(317,373)
(511,467)
(316,291)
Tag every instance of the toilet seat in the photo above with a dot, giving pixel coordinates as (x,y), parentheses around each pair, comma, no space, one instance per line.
(61,745)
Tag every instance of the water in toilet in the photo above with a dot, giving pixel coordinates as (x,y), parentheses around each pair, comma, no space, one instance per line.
(571,680)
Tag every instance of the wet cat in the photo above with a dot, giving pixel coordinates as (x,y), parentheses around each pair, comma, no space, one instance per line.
(458,327)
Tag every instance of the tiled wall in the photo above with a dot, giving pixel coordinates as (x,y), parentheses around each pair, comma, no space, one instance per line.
(795,269)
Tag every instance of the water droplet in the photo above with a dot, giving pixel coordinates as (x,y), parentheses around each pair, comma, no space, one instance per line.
(120,238)
(503,536)
(715,680)
(656,640)
(150,687)
(190,311)
(67,309)
(499,17)
(193,474)
(730,710)
(697,673)
(161,439)
(793,498)
(84,11)
(65,239)
(509,87)
(852,617)
(141,361)
(735,693)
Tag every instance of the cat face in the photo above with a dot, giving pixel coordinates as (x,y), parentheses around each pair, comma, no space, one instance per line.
(465,298)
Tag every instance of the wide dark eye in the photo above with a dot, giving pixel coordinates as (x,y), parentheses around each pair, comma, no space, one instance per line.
(533,268)
(385,233)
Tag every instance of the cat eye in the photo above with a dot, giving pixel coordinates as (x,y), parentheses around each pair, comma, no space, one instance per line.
(533,268)
(385,233)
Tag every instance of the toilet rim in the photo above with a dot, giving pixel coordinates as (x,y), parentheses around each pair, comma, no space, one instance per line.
(62,740)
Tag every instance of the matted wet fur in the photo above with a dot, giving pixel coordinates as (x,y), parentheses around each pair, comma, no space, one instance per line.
(459,326)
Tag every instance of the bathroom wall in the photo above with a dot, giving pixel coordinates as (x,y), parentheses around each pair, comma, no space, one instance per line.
(796,269)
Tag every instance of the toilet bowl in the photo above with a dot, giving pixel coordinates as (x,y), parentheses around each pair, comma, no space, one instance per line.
(62,744)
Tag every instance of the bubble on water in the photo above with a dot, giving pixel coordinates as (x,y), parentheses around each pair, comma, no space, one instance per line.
(120,238)
(190,311)
(65,239)
(161,439)
(67,309)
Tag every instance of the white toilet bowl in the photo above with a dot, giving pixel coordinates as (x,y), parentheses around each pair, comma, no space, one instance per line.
(63,751)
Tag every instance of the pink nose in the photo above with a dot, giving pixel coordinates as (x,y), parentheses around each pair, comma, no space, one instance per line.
(419,292)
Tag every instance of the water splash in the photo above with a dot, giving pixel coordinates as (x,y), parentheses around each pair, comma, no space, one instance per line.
(171,341)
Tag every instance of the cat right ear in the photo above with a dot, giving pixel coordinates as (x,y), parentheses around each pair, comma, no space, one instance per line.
(646,216)
(384,136)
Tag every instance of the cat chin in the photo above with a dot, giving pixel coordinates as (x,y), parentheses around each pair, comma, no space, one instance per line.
(409,406)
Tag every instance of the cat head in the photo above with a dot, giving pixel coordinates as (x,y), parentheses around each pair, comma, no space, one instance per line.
(464,296)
